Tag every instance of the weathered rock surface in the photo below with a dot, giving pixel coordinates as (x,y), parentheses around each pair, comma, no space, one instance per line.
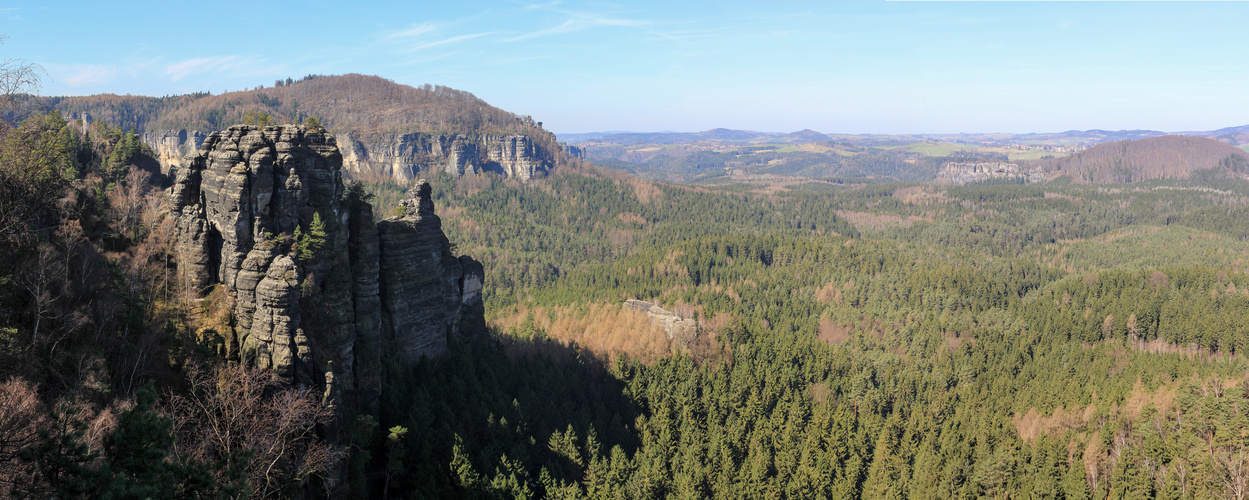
(677,328)
(420,294)
(402,157)
(325,317)
(173,147)
(964,173)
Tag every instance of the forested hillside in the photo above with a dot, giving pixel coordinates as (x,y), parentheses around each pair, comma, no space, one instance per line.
(1170,156)
(876,341)
(368,104)
(854,339)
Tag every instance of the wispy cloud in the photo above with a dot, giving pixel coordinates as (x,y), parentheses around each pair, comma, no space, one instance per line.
(233,65)
(420,36)
(444,41)
(92,75)
(413,31)
(578,21)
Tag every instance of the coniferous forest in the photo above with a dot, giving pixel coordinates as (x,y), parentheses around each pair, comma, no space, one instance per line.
(865,339)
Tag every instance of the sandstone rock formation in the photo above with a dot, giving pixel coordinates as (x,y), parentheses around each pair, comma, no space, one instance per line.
(402,157)
(322,311)
(681,329)
(964,173)
(173,147)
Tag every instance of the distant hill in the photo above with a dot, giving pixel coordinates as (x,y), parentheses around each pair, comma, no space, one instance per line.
(1168,156)
(360,103)
(1094,136)
(717,134)
(386,129)
(574,138)
(807,135)
(1235,136)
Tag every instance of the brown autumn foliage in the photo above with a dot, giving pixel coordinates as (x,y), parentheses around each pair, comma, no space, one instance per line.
(1168,156)
(24,417)
(233,412)
(833,333)
(606,331)
(21,415)
(603,329)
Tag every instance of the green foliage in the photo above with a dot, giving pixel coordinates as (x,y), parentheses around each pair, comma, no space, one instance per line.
(257,118)
(1007,343)
(312,123)
(308,245)
(37,158)
(127,152)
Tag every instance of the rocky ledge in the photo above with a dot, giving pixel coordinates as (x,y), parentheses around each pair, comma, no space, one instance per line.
(318,292)
(680,329)
(964,173)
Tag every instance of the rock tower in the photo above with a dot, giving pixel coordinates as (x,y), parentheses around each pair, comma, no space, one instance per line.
(318,292)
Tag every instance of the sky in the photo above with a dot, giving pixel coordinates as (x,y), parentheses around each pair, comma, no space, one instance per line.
(852,66)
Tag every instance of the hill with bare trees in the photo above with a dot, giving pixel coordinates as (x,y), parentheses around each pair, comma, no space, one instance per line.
(386,128)
(1169,156)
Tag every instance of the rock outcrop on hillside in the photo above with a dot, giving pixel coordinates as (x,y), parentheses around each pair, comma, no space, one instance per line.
(680,329)
(322,309)
(964,173)
(385,129)
(172,147)
(402,157)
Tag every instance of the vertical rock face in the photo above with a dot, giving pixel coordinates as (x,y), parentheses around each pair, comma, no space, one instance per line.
(421,293)
(462,158)
(173,147)
(515,155)
(316,308)
(402,157)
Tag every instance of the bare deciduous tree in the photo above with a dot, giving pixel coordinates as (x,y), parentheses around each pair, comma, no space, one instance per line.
(18,80)
(128,201)
(21,415)
(235,411)
(38,280)
(1231,470)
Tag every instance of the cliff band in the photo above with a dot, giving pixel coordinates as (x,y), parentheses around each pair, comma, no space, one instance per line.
(402,157)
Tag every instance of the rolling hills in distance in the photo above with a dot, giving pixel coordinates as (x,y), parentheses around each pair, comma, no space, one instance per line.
(390,130)
(727,157)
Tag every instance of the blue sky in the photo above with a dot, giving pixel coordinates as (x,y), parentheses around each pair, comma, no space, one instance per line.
(837,67)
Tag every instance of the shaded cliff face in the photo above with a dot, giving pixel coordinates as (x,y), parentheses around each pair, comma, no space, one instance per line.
(319,310)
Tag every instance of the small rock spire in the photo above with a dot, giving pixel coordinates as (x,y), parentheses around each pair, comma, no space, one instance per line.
(424,200)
